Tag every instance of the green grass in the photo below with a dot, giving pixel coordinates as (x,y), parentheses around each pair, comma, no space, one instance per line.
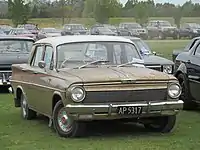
(56,22)
(17,134)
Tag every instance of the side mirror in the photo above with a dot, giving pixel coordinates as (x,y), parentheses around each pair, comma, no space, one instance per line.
(42,64)
(154,53)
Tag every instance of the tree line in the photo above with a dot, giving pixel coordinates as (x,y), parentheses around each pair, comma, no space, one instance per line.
(20,10)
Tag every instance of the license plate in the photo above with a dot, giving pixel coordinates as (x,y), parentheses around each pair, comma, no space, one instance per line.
(129,110)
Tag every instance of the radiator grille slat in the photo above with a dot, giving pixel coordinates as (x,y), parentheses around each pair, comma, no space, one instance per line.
(125,96)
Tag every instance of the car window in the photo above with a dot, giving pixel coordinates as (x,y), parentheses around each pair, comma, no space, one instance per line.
(48,56)
(197,52)
(37,56)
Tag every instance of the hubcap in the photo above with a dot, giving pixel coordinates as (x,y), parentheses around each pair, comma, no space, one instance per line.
(24,104)
(64,122)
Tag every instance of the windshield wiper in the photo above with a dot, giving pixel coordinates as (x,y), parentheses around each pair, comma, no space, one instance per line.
(134,61)
(93,63)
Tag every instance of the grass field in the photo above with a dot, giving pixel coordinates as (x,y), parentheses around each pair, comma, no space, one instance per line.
(56,22)
(17,134)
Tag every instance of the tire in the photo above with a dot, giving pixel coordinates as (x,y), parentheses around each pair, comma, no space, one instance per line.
(26,113)
(73,128)
(185,96)
(163,124)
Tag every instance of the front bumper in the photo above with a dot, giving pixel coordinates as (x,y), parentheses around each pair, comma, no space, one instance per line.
(109,111)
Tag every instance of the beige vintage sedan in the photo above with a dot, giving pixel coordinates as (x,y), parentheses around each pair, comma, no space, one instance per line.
(81,78)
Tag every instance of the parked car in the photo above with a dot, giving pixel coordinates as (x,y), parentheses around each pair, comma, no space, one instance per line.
(2,33)
(162,29)
(135,29)
(48,32)
(188,74)
(74,29)
(22,32)
(101,30)
(86,78)
(190,30)
(186,49)
(33,28)
(12,50)
(151,60)
(5,28)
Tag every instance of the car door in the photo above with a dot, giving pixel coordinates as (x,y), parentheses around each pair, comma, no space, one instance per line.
(34,73)
(44,79)
(43,88)
(193,68)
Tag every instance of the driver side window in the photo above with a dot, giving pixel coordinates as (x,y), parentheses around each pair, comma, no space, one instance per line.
(48,56)
(197,52)
(38,56)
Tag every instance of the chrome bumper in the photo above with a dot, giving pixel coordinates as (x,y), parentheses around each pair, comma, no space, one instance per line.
(109,111)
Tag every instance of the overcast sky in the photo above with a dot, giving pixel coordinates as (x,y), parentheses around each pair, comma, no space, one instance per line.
(170,1)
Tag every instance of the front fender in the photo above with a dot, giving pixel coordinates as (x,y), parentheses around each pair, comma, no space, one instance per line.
(181,69)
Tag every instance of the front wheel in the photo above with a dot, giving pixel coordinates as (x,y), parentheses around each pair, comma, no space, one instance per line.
(163,124)
(64,125)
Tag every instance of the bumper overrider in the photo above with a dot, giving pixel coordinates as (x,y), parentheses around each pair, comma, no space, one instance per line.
(123,110)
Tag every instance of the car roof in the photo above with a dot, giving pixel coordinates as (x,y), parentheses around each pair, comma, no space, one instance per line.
(158,21)
(55,41)
(7,37)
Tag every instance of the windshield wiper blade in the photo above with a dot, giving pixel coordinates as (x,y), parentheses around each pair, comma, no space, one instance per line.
(93,63)
(138,62)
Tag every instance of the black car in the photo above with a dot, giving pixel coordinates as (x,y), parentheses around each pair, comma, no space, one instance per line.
(151,60)
(161,29)
(13,50)
(188,74)
(135,29)
(74,29)
(186,49)
(101,30)
(190,30)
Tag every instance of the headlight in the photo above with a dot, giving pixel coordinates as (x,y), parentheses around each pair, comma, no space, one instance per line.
(77,94)
(174,90)
(168,69)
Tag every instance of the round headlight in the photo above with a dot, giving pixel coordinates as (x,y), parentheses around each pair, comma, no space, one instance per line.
(174,90)
(77,94)
(168,69)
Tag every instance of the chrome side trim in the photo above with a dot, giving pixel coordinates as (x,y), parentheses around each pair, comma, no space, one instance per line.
(38,85)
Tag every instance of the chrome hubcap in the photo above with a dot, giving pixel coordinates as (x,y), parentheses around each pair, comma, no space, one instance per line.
(24,104)
(64,122)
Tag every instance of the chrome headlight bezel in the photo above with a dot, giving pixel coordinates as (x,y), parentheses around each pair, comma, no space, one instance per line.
(167,69)
(73,93)
(170,89)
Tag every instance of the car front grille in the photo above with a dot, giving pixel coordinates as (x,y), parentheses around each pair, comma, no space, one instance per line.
(5,74)
(125,96)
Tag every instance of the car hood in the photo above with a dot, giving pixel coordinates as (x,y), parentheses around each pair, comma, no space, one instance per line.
(105,74)
(7,59)
(156,60)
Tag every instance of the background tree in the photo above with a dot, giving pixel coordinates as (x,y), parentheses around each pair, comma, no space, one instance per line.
(177,15)
(19,11)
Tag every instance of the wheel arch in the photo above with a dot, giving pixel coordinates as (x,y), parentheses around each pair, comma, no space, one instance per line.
(57,96)
(19,91)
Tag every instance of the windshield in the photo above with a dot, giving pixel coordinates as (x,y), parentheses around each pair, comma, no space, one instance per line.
(163,23)
(116,53)
(74,27)
(15,45)
(104,29)
(143,47)
(133,25)
(20,31)
(194,25)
